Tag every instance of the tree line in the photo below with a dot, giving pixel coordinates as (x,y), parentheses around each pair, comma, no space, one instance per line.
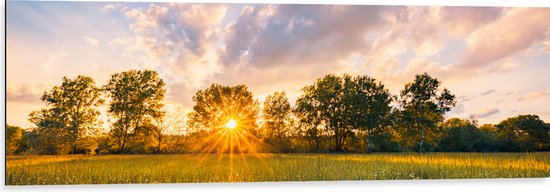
(336,113)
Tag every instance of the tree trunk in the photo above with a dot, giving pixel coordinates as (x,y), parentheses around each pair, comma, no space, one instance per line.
(159,141)
(368,140)
(124,138)
(317,143)
(422,136)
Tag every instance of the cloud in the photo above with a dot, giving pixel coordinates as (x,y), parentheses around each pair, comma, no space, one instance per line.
(299,34)
(176,27)
(533,95)
(490,91)
(112,6)
(178,37)
(461,21)
(487,112)
(459,109)
(129,46)
(422,27)
(502,67)
(240,34)
(426,31)
(543,49)
(517,30)
(277,36)
(24,93)
(284,47)
(383,52)
(90,40)
(464,98)
(491,40)
(403,33)
(277,44)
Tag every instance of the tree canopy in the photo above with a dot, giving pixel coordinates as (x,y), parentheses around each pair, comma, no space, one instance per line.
(524,133)
(343,105)
(135,98)
(71,111)
(423,105)
(215,107)
(277,121)
(336,113)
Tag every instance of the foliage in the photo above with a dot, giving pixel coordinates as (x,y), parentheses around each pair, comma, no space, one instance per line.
(523,133)
(309,119)
(323,104)
(334,114)
(14,135)
(461,135)
(277,122)
(217,105)
(344,106)
(71,112)
(135,98)
(423,105)
(42,142)
(368,106)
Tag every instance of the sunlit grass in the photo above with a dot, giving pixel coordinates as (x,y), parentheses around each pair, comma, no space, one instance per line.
(30,170)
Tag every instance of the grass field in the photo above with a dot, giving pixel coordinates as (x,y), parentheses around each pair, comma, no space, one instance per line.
(33,170)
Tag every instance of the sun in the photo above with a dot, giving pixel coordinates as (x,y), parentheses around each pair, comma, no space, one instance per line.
(231,124)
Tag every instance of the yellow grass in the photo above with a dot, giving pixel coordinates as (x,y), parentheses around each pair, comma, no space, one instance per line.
(82,169)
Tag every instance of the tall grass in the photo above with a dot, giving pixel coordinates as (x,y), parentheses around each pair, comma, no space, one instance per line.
(38,170)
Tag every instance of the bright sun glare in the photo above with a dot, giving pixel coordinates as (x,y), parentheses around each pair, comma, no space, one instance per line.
(231,124)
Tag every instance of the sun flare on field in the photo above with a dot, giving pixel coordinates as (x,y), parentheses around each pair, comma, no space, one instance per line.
(231,138)
(231,124)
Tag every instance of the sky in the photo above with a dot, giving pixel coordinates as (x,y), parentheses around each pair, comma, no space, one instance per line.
(494,59)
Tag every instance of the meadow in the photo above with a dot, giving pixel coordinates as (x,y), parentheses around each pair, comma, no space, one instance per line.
(118,169)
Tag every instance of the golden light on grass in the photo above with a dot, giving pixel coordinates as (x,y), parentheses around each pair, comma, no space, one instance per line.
(231,124)
(84,169)
(232,140)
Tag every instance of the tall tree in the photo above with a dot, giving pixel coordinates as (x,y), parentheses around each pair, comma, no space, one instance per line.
(370,105)
(135,98)
(329,93)
(71,109)
(424,105)
(309,119)
(277,121)
(220,107)
(329,102)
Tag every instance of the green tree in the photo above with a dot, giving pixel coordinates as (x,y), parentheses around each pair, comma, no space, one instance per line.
(423,106)
(488,138)
(343,105)
(368,105)
(135,98)
(309,119)
(14,134)
(324,104)
(459,135)
(277,122)
(71,109)
(43,141)
(217,106)
(523,133)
